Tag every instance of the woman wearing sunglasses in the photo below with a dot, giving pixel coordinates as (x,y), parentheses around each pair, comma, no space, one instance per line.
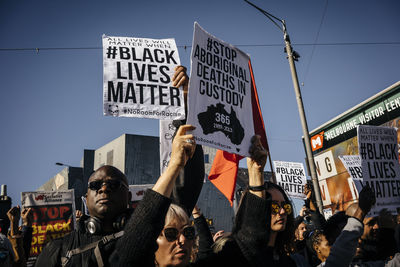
(176,240)
(159,234)
(281,239)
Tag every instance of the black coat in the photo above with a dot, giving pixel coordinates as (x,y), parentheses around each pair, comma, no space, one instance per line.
(248,247)
(56,249)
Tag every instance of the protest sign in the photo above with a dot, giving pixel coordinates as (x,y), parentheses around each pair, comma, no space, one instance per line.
(53,217)
(220,94)
(378,149)
(291,177)
(352,163)
(138,193)
(137,78)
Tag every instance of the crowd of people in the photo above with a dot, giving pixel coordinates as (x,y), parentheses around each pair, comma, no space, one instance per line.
(160,232)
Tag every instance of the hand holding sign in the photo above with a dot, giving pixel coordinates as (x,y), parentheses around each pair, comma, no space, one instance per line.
(258,155)
(180,78)
(255,165)
(183,146)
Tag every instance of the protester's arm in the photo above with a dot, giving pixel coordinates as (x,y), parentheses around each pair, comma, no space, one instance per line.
(27,219)
(15,236)
(183,148)
(205,237)
(252,225)
(138,245)
(189,182)
(344,248)
(317,219)
(255,166)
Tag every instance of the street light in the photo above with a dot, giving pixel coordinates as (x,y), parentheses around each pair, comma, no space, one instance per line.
(293,56)
(62,164)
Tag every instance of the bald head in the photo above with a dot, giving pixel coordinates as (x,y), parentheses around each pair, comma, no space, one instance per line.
(108,193)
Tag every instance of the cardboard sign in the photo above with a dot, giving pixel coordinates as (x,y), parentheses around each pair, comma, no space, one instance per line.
(220,94)
(291,177)
(53,217)
(379,154)
(137,78)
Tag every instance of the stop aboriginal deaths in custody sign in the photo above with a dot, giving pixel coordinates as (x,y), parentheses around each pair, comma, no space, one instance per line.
(137,78)
(220,94)
(380,165)
(291,177)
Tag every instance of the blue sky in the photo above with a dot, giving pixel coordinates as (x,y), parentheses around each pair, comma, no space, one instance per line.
(52,99)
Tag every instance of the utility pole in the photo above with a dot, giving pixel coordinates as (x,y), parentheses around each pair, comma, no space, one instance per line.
(293,56)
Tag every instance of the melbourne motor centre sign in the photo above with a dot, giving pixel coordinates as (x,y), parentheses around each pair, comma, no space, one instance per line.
(338,137)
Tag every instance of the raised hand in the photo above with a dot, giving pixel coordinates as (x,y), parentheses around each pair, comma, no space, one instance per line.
(180,77)
(183,146)
(14,215)
(27,217)
(258,155)
(256,164)
(366,199)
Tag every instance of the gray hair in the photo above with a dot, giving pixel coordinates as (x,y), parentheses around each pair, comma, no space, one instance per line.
(176,213)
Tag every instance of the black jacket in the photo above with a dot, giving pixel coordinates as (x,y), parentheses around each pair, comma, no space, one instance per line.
(248,247)
(56,249)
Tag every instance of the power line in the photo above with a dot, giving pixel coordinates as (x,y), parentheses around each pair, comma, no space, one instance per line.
(38,49)
(316,39)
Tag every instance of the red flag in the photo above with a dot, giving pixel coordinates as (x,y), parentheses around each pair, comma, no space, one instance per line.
(225,165)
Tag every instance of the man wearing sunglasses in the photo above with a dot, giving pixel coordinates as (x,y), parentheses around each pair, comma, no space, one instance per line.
(107,200)
(94,239)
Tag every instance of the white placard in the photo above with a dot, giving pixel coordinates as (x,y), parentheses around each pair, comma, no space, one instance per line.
(137,78)
(379,154)
(291,177)
(220,94)
(352,163)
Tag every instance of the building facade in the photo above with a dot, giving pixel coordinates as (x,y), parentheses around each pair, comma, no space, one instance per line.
(139,158)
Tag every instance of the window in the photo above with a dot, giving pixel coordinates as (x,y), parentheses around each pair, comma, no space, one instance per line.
(110,157)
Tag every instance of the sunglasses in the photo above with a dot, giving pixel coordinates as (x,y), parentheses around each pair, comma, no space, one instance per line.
(172,234)
(276,207)
(112,184)
(372,222)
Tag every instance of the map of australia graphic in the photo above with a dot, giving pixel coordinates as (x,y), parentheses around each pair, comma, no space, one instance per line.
(211,122)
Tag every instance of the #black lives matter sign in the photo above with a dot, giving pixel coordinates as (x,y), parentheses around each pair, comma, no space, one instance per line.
(378,149)
(220,94)
(291,177)
(137,78)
